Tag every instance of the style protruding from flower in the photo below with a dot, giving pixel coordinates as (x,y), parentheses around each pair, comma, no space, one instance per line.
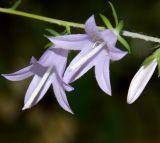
(47,71)
(96,47)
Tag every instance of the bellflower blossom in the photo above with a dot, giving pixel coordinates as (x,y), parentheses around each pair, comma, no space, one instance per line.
(47,71)
(140,80)
(97,49)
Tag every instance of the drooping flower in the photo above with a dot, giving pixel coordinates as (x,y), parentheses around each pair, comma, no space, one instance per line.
(47,71)
(140,80)
(97,49)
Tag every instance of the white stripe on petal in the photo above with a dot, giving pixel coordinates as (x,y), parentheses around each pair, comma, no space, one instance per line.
(140,80)
(38,88)
(87,57)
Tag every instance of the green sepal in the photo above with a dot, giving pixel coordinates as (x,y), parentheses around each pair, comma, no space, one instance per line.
(68,30)
(15,5)
(156,55)
(106,21)
(48,45)
(114,13)
(124,43)
(52,32)
(148,60)
(158,61)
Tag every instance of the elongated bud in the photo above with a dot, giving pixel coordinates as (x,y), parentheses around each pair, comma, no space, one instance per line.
(140,80)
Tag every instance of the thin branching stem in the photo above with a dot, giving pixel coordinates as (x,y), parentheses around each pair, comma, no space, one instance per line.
(75,25)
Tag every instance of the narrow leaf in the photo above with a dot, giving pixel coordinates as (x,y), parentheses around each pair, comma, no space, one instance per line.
(106,21)
(124,43)
(15,5)
(114,13)
(48,45)
(64,32)
(120,26)
(52,32)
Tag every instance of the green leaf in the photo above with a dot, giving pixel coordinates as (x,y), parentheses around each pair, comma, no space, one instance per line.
(52,32)
(124,43)
(106,21)
(114,13)
(15,5)
(48,45)
(120,26)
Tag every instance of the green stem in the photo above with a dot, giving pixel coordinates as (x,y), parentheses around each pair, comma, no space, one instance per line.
(76,25)
(42,18)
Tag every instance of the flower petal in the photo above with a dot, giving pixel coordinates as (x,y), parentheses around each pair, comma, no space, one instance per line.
(72,75)
(102,74)
(19,75)
(109,37)
(33,85)
(77,41)
(66,86)
(71,37)
(60,95)
(38,69)
(55,57)
(91,29)
(140,80)
(116,54)
(33,60)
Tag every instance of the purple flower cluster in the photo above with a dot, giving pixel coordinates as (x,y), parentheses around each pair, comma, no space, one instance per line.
(97,49)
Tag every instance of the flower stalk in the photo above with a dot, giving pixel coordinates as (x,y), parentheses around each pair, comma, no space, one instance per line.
(75,25)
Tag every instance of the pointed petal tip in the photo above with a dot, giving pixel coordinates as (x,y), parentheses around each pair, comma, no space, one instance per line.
(71,112)
(69,89)
(24,108)
(125,54)
(130,100)
(3,75)
(132,97)
(92,17)
(51,39)
(33,60)
(6,76)
(68,109)
(110,94)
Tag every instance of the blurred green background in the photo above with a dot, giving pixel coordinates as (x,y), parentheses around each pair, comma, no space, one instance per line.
(98,118)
